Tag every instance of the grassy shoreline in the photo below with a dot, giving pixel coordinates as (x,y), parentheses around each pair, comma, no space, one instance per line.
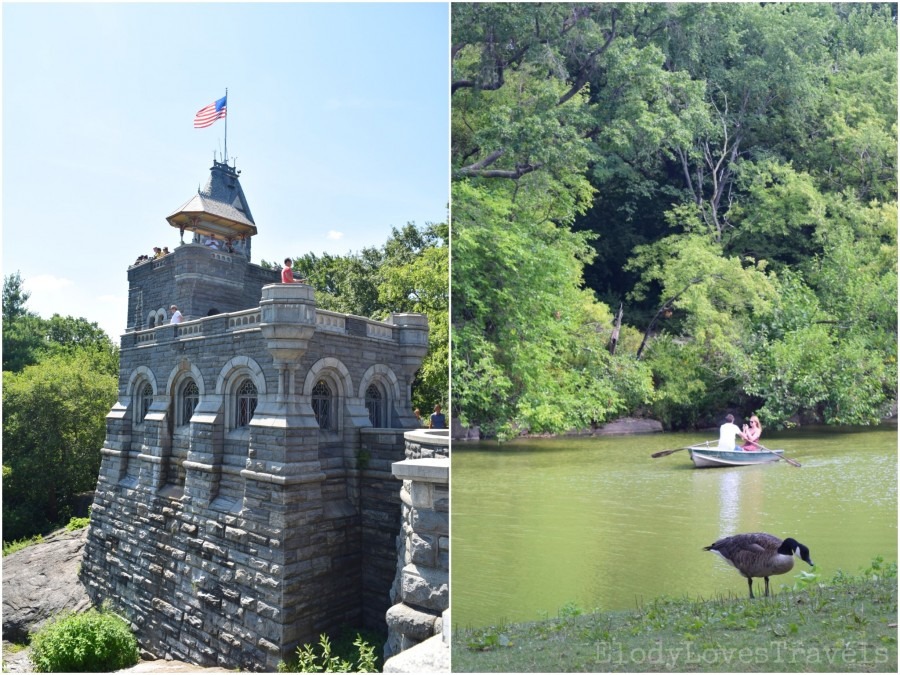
(848,625)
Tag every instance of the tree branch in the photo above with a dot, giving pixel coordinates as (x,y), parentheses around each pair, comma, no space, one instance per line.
(588,66)
(516,173)
(665,306)
(486,162)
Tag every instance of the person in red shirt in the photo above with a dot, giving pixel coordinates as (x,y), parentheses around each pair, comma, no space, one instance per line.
(287,274)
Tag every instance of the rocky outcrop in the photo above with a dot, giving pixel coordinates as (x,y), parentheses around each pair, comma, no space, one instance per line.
(42,580)
(623,425)
(629,425)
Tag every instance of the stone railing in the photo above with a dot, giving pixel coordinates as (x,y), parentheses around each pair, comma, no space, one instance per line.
(246,319)
(331,321)
(249,319)
(188,329)
(421,590)
(379,331)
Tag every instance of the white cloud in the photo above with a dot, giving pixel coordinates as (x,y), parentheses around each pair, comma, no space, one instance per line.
(45,283)
(334,234)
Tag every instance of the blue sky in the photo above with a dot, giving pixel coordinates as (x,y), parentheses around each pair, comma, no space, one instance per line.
(338,117)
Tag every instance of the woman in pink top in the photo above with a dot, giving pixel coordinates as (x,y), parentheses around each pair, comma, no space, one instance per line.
(752,433)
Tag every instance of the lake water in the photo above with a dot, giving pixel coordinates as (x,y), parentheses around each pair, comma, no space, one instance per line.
(540,523)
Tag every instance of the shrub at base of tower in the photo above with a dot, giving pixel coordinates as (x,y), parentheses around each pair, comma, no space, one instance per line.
(327,662)
(92,642)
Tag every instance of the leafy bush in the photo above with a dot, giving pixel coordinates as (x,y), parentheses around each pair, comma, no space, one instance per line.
(92,642)
(326,662)
(78,523)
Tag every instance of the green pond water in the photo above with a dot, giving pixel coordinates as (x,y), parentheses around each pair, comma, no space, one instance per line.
(540,523)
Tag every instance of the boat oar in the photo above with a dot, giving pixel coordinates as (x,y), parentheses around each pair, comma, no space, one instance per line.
(792,462)
(663,453)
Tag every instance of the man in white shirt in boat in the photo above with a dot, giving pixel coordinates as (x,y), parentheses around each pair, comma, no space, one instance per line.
(728,434)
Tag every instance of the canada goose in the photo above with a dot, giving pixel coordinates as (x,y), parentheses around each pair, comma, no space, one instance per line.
(758,554)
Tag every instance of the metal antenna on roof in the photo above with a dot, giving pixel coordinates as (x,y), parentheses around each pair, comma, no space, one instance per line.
(226,125)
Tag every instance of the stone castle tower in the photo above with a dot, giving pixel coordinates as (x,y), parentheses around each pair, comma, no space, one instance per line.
(245,501)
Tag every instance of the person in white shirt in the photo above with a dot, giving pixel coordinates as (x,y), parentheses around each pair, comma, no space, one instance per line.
(728,434)
(176,315)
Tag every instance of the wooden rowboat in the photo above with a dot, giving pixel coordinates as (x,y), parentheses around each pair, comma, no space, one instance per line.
(708,455)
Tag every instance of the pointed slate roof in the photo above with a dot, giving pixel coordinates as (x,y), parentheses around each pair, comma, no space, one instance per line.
(218,209)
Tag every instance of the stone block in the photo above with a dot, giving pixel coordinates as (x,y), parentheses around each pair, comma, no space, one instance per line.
(426,587)
(421,494)
(413,623)
(428,521)
(421,550)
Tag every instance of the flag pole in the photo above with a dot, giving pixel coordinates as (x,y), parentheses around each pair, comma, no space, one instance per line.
(226,125)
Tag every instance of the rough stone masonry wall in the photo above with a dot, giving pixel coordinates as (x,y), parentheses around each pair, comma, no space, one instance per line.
(380,510)
(241,583)
(421,586)
(196,279)
(210,587)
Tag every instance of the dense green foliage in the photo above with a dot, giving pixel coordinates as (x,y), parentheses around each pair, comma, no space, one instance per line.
(28,339)
(408,274)
(725,172)
(61,384)
(92,642)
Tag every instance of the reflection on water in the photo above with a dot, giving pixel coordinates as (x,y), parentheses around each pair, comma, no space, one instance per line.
(541,523)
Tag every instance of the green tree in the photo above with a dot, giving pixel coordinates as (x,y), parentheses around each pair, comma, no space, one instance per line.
(544,99)
(689,160)
(22,329)
(68,335)
(53,429)
(414,277)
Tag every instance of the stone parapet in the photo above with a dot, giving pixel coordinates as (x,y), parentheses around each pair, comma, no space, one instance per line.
(421,591)
(426,443)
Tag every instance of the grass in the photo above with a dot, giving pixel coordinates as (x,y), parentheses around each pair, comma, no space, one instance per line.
(19,544)
(13,546)
(847,625)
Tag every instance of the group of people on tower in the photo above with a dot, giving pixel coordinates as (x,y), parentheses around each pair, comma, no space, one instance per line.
(437,420)
(157,253)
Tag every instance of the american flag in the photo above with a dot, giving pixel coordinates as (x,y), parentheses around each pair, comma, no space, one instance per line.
(206,116)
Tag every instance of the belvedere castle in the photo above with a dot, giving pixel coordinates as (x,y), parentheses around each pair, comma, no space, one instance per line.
(246,502)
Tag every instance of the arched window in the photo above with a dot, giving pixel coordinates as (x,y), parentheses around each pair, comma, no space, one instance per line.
(245,403)
(322,404)
(145,399)
(375,406)
(190,397)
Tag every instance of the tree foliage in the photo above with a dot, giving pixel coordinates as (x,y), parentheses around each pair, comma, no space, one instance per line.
(59,382)
(727,171)
(53,428)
